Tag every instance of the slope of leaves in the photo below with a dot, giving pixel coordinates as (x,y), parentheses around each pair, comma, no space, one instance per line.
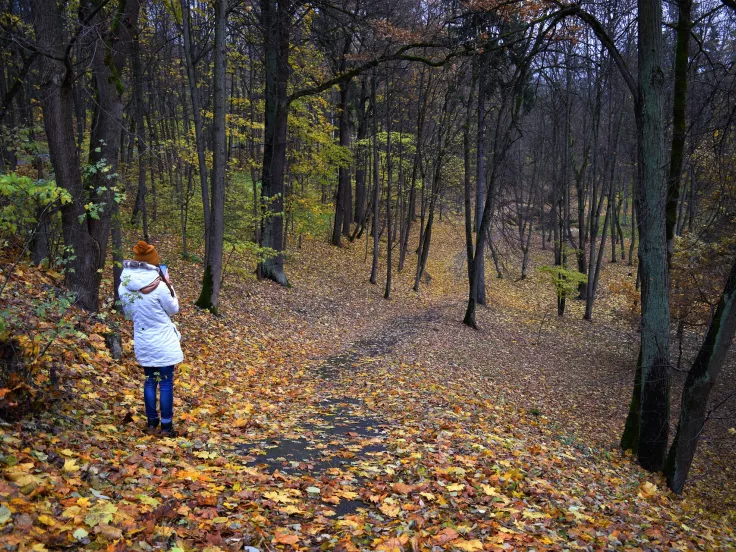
(418,433)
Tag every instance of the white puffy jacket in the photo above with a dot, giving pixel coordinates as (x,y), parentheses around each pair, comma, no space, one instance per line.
(155,338)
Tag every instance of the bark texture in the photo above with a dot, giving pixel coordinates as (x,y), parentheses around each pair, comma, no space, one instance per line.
(655,322)
(276,18)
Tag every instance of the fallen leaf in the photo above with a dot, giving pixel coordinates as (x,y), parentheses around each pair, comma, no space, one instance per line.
(468,545)
(70,465)
(391,510)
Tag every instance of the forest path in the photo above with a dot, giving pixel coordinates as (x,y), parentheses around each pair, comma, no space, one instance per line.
(343,435)
(423,434)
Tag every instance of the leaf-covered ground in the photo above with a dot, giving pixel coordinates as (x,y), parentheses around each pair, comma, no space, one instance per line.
(324,417)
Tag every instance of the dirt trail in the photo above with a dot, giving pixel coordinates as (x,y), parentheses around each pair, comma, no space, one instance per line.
(343,433)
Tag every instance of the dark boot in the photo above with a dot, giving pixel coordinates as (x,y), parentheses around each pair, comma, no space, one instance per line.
(152,426)
(167,430)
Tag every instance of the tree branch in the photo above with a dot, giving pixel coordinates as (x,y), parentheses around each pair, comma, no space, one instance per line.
(596,26)
(347,75)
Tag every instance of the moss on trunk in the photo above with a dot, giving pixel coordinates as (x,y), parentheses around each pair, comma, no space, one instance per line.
(205,298)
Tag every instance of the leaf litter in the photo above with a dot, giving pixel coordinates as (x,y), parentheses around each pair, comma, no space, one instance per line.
(323,417)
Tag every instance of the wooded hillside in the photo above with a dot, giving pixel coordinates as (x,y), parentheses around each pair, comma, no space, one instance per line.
(546,186)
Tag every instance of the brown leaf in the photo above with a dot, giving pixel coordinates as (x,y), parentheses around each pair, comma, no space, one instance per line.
(403,488)
(446,535)
(286,538)
(108,532)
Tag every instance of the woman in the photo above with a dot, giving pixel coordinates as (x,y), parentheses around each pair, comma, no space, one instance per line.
(149,300)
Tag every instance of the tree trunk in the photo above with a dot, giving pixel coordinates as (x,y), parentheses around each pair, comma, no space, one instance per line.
(360,163)
(342,204)
(140,200)
(376,181)
(411,211)
(443,139)
(209,298)
(485,218)
(480,184)
(197,116)
(426,240)
(700,380)
(633,231)
(80,108)
(467,188)
(620,230)
(655,330)
(614,218)
(582,234)
(277,21)
(679,118)
(389,182)
(630,436)
(594,272)
(84,235)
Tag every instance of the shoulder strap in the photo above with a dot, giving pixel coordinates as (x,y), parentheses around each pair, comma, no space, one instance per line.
(150,287)
(161,277)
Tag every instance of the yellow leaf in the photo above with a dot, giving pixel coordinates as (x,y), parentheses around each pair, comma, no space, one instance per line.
(150,501)
(391,510)
(648,490)
(490,491)
(100,513)
(455,487)
(350,523)
(97,341)
(163,531)
(291,509)
(47,520)
(203,454)
(71,512)
(530,514)
(394,544)
(278,497)
(70,465)
(468,545)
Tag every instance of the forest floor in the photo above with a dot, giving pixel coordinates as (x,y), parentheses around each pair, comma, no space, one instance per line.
(326,417)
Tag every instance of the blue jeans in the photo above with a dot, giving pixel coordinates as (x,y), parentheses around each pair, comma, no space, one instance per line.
(163,377)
